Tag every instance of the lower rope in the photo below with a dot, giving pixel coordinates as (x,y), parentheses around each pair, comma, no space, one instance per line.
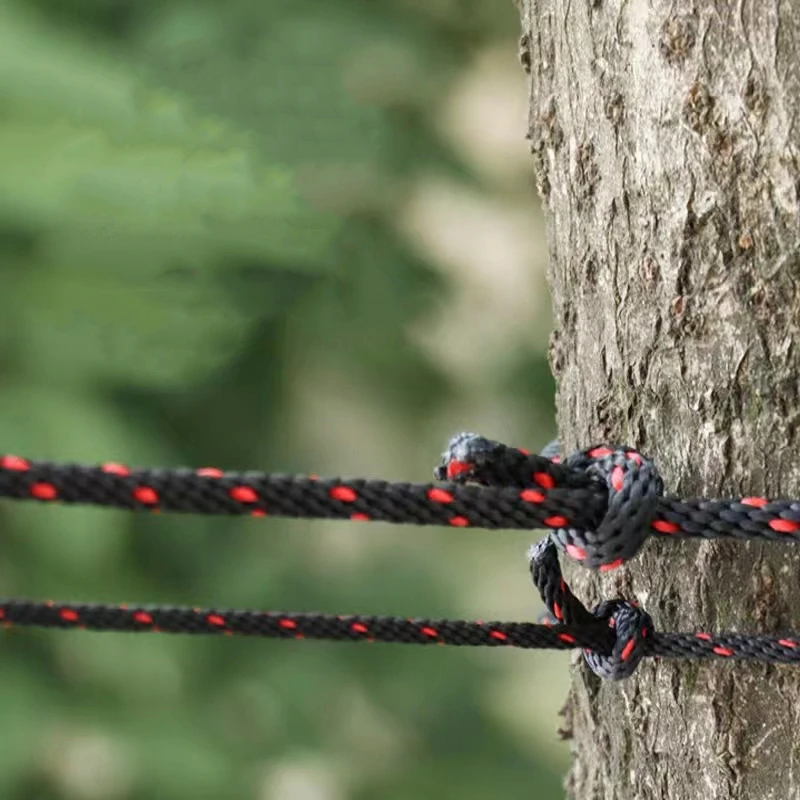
(615,636)
(599,638)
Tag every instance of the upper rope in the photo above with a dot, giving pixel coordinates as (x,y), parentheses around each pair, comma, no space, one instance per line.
(602,503)
(599,504)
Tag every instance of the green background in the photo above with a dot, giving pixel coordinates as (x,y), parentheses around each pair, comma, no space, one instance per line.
(289,235)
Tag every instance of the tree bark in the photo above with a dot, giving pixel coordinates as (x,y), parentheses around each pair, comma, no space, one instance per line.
(665,139)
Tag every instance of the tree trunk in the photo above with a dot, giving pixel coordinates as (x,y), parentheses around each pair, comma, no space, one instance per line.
(665,137)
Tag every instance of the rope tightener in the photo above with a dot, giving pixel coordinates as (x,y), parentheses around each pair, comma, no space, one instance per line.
(600,505)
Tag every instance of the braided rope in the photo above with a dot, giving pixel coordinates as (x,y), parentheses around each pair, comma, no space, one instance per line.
(609,648)
(600,505)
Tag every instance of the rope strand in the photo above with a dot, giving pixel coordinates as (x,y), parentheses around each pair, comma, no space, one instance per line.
(602,503)
(360,628)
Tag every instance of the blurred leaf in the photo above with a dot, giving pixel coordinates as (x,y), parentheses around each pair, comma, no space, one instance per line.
(179,761)
(138,328)
(88,142)
(276,68)
(28,707)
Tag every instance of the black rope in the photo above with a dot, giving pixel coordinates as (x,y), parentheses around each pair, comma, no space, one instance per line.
(600,505)
(606,642)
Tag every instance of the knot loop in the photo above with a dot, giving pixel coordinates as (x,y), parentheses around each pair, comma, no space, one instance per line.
(634,488)
(631,625)
(471,457)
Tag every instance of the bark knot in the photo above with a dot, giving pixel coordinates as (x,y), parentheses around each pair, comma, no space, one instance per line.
(678,37)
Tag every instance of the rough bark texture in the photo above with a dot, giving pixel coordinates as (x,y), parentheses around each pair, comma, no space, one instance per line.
(665,139)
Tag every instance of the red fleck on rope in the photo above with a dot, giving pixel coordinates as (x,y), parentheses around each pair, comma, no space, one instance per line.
(600,505)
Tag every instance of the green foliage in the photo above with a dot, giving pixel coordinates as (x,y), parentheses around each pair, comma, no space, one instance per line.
(172,268)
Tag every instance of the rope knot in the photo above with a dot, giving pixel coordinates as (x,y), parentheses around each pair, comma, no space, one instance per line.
(634,487)
(631,625)
(623,483)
